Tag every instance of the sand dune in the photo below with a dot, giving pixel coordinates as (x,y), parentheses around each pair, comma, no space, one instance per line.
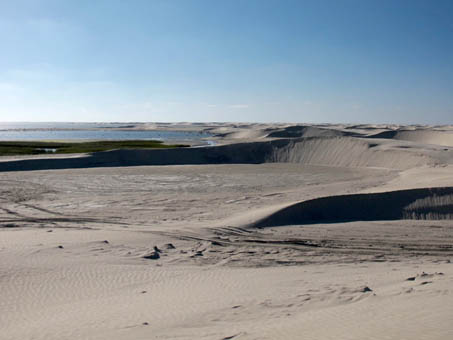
(349,152)
(331,151)
(421,136)
(299,131)
(423,204)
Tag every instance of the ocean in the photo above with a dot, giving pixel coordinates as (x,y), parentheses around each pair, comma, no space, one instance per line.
(90,131)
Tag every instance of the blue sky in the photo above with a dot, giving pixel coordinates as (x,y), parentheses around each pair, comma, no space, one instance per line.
(232,60)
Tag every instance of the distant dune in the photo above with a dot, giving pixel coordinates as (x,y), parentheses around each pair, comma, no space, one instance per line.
(421,136)
(298,131)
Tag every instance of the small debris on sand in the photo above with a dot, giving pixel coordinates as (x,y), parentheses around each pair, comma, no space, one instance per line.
(152,256)
(230,337)
(169,246)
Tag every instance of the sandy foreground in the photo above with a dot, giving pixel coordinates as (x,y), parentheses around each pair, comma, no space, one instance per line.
(278,232)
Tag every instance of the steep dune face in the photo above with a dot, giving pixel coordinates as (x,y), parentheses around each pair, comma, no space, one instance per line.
(347,152)
(329,151)
(419,204)
(424,136)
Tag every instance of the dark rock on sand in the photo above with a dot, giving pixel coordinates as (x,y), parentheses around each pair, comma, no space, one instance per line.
(152,256)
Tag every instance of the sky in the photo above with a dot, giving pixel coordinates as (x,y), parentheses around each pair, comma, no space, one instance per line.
(340,61)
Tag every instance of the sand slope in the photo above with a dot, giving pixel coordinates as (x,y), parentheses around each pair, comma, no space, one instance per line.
(298,131)
(331,151)
(422,136)
(419,204)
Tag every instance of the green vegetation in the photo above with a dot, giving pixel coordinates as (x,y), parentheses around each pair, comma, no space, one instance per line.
(35,148)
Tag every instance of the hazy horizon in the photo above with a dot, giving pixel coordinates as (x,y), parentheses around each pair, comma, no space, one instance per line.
(218,122)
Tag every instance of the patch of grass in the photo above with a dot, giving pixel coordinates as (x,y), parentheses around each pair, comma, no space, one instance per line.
(14,148)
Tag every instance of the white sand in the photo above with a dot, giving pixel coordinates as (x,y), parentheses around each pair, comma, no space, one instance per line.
(226,279)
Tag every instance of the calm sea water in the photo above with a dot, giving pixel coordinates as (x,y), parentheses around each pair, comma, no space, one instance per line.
(78,131)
